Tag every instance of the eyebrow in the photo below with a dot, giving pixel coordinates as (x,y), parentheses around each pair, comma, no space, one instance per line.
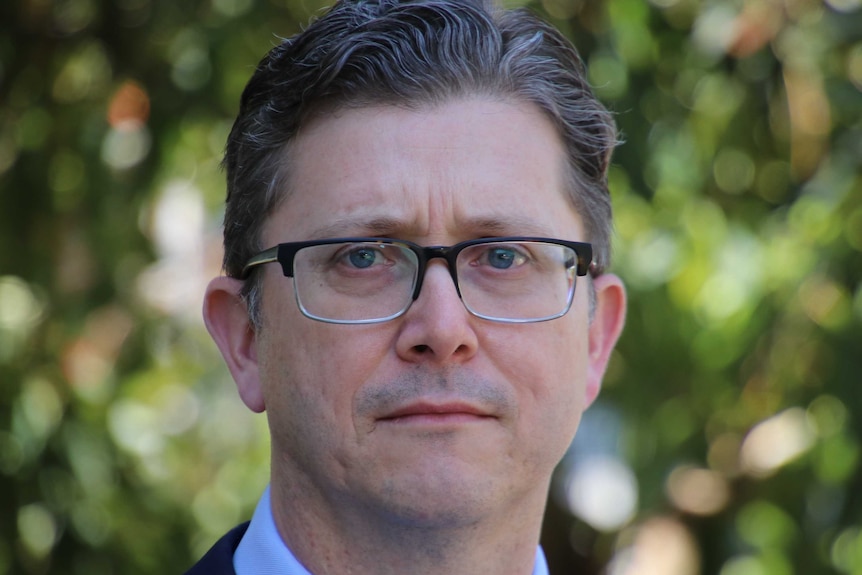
(482,226)
(509,225)
(344,227)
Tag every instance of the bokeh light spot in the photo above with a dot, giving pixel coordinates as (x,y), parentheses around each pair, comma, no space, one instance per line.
(837,459)
(744,565)
(71,16)
(91,522)
(21,309)
(764,525)
(846,552)
(191,68)
(733,170)
(697,491)
(845,5)
(42,406)
(37,528)
(85,74)
(661,546)
(828,415)
(19,306)
(603,491)
(825,302)
(126,145)
(129,106)
(134,426)
(776,441)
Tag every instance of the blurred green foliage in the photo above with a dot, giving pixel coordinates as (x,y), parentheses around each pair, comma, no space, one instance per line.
(738,202)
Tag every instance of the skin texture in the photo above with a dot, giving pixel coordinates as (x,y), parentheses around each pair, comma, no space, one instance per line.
(425,444)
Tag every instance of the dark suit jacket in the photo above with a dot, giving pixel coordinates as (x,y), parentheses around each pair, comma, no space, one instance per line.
(219,559)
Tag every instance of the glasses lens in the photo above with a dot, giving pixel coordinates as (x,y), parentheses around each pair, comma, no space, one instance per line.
(517,281)
(354,282)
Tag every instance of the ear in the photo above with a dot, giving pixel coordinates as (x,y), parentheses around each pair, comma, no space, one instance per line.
(226,318)
(605,328)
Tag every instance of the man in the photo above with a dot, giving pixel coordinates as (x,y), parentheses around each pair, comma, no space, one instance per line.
(416,232)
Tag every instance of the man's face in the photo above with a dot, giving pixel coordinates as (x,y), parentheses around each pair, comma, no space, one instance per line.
(438,416)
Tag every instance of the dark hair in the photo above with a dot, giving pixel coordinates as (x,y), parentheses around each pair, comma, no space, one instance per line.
(409,53)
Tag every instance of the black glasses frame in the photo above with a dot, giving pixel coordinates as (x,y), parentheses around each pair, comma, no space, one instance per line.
(286,252)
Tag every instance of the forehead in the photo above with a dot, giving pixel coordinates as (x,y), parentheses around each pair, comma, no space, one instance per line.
(466,168)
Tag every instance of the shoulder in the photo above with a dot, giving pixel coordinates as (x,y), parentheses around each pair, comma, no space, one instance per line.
(219,559)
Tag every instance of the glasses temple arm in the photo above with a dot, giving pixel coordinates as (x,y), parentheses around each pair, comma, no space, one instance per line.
(264,257)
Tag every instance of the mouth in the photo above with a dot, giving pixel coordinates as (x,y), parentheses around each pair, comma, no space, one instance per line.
(436,413)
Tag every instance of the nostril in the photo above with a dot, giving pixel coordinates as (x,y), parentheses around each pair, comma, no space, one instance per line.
(421,348)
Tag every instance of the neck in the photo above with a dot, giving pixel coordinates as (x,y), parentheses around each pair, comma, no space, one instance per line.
(341,538)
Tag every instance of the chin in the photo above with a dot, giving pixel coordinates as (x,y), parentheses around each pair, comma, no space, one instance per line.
(440,495)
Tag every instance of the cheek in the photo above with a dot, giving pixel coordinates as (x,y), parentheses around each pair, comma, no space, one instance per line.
(313,370)
(547,369)
(308,399)
(544,359)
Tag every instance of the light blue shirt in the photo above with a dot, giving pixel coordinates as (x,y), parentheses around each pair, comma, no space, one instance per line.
(262,552)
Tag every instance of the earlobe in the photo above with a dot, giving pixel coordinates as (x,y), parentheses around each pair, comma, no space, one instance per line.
(605,328)
(226,317)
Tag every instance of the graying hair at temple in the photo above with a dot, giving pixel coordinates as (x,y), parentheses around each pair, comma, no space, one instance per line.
(411,54)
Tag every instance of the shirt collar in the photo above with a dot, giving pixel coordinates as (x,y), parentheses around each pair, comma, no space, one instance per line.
(262,552)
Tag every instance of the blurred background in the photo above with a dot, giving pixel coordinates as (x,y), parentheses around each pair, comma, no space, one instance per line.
(727,438)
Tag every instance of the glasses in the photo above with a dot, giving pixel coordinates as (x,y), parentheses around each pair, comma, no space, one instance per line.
(371,280)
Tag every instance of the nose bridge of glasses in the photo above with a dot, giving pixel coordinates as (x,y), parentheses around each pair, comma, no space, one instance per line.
(426,254)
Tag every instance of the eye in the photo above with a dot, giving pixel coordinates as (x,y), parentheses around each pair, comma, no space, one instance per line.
(503,257)
(364,257)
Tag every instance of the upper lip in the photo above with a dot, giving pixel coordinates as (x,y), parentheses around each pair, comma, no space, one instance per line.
(436,408)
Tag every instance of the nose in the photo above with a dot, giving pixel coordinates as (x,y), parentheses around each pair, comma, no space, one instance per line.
(437,328)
